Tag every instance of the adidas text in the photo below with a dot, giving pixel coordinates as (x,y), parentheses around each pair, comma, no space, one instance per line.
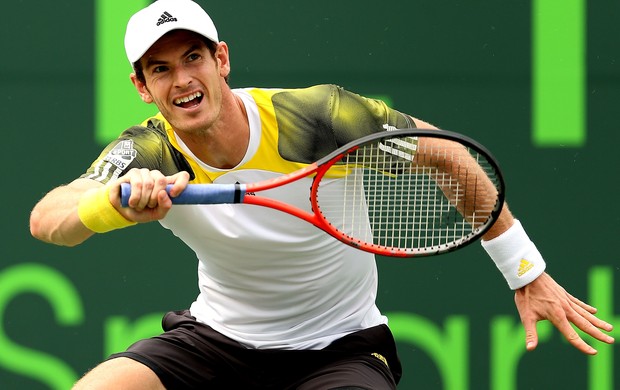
(165,18)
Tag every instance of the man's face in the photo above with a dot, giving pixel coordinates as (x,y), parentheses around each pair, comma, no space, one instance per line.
(184,80)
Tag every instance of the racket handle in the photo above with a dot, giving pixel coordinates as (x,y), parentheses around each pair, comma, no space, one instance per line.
(198,194)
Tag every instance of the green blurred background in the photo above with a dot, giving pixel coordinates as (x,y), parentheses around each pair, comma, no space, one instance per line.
(535,81)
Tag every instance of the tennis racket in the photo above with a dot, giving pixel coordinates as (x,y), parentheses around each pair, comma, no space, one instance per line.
(398,193)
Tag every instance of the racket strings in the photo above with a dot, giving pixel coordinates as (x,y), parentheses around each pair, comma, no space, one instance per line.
(399,196)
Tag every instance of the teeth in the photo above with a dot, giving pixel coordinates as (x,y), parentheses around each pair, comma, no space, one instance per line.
(187,98)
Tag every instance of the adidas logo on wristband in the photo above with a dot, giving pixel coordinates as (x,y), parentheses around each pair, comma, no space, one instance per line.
(516,256)
(524,267)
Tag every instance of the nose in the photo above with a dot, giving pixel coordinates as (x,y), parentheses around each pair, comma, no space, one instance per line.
(182,78)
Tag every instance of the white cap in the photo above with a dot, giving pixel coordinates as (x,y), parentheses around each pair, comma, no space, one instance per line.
(149,24)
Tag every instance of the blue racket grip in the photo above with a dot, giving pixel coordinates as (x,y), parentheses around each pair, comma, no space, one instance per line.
(198,194)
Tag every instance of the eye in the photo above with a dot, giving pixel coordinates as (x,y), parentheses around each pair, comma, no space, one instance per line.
(159,69)
(193,57)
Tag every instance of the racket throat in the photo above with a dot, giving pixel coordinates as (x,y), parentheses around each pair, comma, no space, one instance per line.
(239,193)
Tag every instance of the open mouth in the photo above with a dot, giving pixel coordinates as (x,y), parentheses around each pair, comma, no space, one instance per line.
(189,101)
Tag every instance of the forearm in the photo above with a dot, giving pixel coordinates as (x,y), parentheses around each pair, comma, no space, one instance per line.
(503,223)
(55,218)
(467,186)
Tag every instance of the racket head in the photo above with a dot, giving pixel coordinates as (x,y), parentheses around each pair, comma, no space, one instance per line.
(408,192)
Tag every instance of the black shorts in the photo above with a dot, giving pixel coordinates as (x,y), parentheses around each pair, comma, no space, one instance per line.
(191,355)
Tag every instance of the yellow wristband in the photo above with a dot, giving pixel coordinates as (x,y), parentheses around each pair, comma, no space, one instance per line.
(97,213)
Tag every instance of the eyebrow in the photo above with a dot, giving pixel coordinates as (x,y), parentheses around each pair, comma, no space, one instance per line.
(154,61)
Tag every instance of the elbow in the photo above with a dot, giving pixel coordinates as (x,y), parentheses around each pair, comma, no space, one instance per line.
(39,231)
(35,226)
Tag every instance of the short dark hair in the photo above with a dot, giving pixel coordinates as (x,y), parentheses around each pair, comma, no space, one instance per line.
(139,71)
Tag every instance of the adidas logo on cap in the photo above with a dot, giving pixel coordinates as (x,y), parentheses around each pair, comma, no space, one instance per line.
(165,18)
(149,24)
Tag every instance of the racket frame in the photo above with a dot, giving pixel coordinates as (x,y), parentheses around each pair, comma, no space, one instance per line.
(238,193)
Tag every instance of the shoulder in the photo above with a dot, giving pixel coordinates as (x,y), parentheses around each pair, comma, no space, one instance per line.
(316,94)
(144,146)
(313,94)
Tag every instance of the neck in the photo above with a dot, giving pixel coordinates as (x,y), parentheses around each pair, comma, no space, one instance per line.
(224,144)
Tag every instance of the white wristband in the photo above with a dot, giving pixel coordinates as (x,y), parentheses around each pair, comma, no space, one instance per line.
(516,256)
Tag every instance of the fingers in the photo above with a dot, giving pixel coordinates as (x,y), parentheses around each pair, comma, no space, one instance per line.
(590,324)
(546,300)
(588,312)
(581,304)
(529,318)
(179,182)
(564,326)
(560,320)
(584,320)
(145,185)
(531,335)
(149,200)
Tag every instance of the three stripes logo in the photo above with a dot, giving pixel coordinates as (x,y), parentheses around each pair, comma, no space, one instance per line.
(404,148)
(524,267)
(165,18)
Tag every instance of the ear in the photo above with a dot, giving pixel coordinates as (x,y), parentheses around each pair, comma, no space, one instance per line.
(145,95)
(223,59)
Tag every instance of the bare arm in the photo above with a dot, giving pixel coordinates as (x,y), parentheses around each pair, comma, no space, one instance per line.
(473,180)
(55,218)
(543,298)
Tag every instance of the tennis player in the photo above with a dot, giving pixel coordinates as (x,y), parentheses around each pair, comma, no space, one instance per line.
(281,305)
